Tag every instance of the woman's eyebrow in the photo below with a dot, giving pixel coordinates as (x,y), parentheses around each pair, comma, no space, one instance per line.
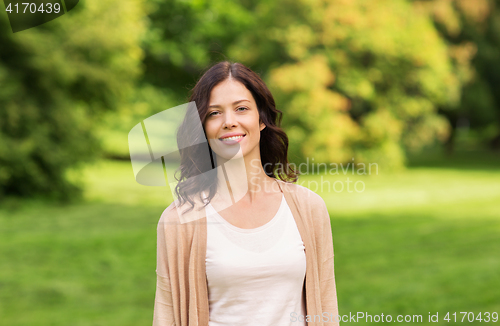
(234,103)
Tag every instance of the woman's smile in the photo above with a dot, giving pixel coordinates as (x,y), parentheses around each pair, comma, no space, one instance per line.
(231,139)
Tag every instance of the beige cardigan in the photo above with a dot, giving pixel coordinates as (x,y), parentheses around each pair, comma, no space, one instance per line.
(181,290)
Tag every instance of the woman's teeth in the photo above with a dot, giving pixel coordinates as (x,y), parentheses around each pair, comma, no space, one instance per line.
(232,138)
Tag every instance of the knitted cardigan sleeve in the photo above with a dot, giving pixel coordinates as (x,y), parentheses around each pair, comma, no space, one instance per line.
(326,265)
(316,212)
(163,307)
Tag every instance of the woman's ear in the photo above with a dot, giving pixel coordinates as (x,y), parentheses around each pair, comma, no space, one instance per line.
(262,125)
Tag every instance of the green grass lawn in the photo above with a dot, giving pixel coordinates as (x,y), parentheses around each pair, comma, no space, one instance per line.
(417,241)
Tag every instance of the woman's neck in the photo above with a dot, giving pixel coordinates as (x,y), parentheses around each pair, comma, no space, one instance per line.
(245,177)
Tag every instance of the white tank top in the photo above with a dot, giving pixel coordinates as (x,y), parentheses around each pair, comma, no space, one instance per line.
(255,276)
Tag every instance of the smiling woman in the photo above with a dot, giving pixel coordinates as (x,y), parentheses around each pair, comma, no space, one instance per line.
(262,252)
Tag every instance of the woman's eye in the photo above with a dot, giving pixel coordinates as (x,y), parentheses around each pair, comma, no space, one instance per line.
(212,113)
(242,107)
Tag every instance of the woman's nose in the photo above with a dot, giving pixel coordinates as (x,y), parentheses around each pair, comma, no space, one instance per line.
(229,121)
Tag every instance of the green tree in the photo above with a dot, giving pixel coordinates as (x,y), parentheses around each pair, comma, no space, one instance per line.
(389,71)
(56,80)
(472,28)
(362,79)
(186,36)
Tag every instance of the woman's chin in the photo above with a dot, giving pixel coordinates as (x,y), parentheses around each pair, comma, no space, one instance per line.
(229,157)
(227,152)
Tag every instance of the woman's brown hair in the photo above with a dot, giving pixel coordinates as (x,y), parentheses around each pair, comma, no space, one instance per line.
(273,140)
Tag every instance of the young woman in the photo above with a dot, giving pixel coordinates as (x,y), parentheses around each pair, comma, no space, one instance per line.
(260,250)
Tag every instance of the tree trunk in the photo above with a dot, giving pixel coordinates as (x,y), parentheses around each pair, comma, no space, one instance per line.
(450,142)
(495,143)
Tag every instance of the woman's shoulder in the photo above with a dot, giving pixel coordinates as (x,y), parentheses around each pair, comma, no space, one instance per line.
(181,215)
(169,214)
(302,194)
(311,204)
(172,216)
(168,219)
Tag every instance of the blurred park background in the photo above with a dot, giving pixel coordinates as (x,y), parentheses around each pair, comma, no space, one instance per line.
(413,86)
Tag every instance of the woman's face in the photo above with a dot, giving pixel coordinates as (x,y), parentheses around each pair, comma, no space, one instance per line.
(233,121)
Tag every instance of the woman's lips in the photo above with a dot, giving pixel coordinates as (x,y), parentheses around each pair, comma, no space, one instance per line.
(232,140)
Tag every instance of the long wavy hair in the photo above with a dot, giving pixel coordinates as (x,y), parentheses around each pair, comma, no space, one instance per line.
(194,160)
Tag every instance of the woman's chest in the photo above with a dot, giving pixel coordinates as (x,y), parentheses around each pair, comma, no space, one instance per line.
(251,216)
(248,256)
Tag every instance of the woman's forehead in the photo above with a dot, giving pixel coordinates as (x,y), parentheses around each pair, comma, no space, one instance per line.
(228,92)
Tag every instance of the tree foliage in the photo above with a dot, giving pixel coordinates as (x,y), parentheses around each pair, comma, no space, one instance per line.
(472,29)
(362,79)
(56,81)
(390,70)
